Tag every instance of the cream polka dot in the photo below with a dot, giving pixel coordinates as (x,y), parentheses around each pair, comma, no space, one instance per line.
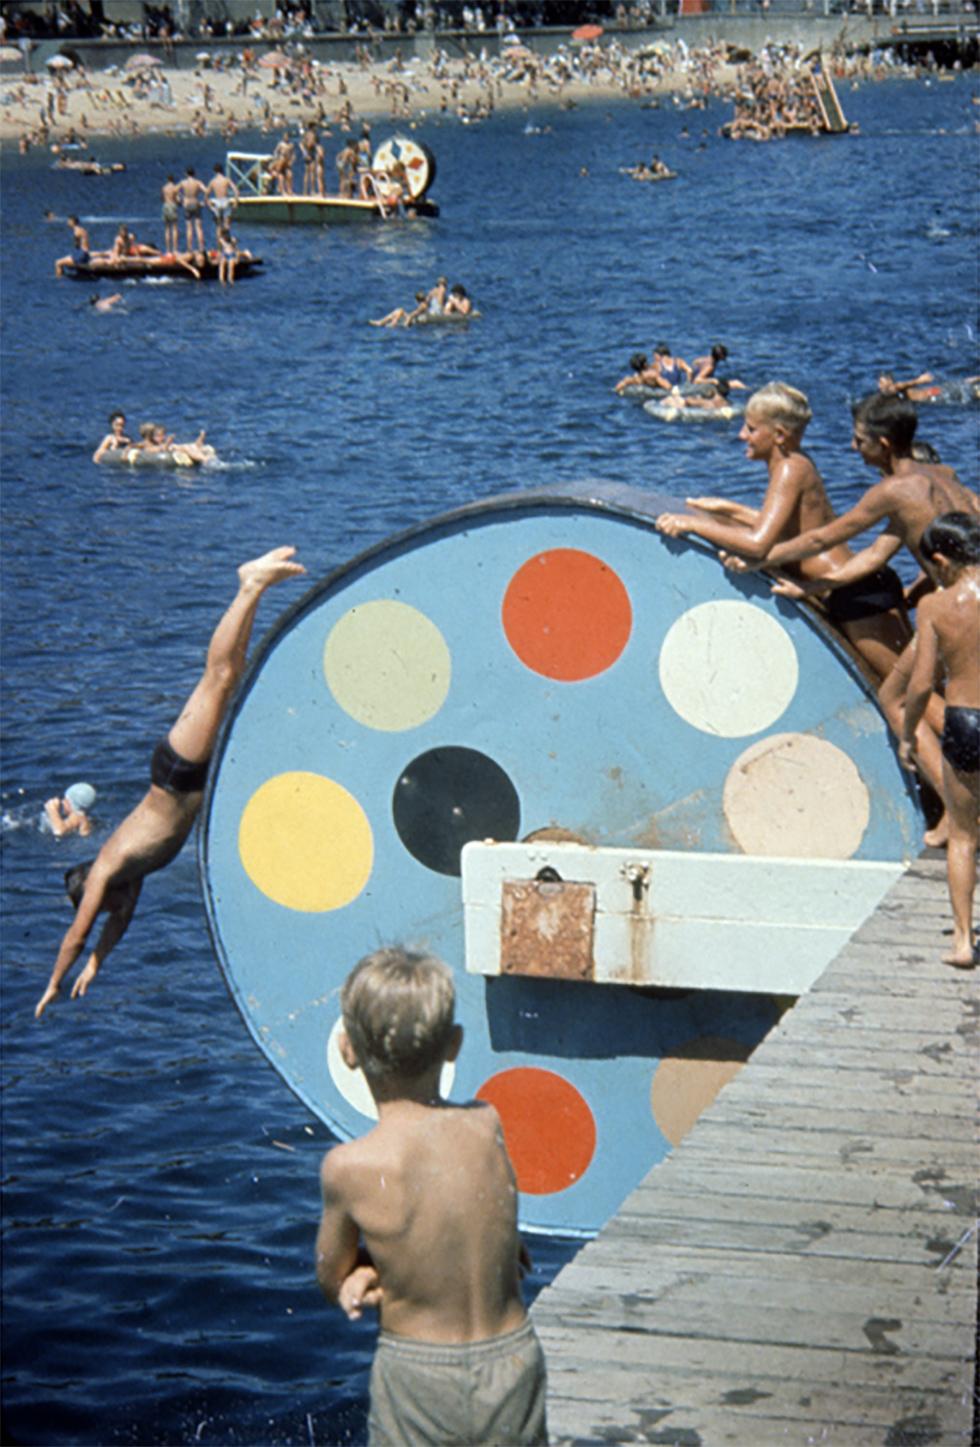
(728,668)
(797,797)
(352,1085)
(387,665)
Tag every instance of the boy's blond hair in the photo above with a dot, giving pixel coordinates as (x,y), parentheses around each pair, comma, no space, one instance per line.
(398,1009)
(781,405)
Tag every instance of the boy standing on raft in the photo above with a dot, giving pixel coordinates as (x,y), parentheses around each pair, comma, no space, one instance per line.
(947,641)
(154,833)
(420,1220)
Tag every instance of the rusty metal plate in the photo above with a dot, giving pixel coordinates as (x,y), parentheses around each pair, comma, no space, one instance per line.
(546,928)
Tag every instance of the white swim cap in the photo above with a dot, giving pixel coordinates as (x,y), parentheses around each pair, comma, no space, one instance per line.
(80,796)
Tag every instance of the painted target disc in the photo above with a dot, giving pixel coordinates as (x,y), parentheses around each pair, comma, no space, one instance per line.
(541,661)
(418,161)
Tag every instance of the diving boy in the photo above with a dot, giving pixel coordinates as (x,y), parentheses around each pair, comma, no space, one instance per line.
(947,641)
(154,832)
(420,1220)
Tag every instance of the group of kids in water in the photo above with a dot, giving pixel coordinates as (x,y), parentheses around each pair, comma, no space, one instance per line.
(419,1216)
(155,443)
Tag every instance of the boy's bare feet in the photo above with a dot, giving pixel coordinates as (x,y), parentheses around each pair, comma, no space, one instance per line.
(962,959)
(938,836)
(271,568)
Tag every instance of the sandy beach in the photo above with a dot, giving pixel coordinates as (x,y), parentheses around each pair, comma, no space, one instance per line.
(79,108)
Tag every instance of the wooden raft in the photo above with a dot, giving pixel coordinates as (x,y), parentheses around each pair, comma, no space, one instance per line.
(803,1268)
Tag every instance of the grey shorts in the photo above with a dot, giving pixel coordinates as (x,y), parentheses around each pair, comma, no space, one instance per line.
(480,1394)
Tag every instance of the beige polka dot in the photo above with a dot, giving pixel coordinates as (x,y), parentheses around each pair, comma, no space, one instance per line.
(387,665)
(796,796)
(686,1082)
(728,668)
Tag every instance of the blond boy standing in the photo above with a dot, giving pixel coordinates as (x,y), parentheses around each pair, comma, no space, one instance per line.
(420,1220)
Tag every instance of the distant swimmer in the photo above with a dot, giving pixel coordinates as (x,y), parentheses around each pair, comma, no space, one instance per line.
(459,302)
(69,813)
(670,371)
(642,374)
(80,254)
(401,316)
(924,388)
(154,439)
(705,369)
(154,833)
(115,439)
(947,643)
(105,303)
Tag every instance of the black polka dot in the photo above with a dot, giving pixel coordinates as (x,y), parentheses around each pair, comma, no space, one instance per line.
(448,796)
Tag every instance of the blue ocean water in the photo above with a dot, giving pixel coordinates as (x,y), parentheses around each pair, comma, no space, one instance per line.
(160,1182)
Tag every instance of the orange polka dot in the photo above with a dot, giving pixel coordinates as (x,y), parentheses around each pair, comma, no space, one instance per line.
(548,1127)
(566,614)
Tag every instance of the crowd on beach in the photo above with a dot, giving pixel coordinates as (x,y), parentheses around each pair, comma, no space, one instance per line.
(224,93)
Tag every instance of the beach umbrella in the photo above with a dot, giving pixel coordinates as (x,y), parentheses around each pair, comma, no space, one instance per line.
(10,52)
(587,32)
(59,62)
(142,62)
(274,59)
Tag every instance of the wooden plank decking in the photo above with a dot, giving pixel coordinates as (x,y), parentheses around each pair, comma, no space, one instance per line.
(803,1268)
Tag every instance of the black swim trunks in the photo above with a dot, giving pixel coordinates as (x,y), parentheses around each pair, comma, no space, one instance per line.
(961,738)
(879,592)
(175,774)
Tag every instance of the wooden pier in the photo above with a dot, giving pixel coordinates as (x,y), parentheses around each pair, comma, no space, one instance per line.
(803,1268)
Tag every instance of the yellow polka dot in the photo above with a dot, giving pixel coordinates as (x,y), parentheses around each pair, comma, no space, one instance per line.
(387,665)
(305,842)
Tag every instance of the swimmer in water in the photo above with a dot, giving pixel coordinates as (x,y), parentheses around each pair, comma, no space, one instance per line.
(115,438)
(401,317)
(69,813)
(154,833)
(642,374)
(947,641)
(105,303)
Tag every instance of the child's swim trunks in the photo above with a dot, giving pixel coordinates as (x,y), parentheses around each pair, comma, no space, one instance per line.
(473,1395)
(961,738)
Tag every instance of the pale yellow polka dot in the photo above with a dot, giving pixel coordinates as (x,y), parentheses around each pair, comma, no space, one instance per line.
(796,796)
(687,1081)
(352,1084)
(387,665)
(728,668)
(305,842)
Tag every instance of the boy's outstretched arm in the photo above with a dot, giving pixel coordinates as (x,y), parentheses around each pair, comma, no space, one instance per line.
(338,1238)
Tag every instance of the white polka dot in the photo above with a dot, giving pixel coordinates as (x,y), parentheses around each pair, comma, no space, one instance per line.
(352,1085)
(728,668)
(796,796)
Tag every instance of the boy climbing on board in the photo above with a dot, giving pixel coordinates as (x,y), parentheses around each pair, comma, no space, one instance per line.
(420,1220)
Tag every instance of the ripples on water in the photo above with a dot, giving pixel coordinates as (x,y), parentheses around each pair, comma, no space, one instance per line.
(160,1181)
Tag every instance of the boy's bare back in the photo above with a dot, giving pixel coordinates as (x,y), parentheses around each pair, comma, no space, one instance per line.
(433,1194)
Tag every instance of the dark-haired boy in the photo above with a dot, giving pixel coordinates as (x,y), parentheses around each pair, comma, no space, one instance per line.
(947,641)
(154,832)
(420,1220)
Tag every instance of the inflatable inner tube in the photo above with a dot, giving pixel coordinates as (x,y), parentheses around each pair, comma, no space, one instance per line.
(670,412)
